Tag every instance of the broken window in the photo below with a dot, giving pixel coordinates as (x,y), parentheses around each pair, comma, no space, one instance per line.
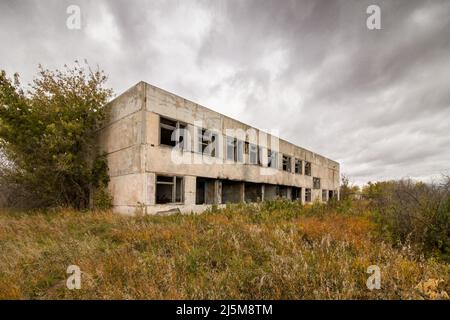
(308,195)
(324,195)
(286,163)
(235,149)
(172,132)
(282,191)
(205,191)
(207,142)
(252,192)
(202,140)
(230,149)
(260,155)
(239,151)
(298,166)
(296,193)
(330,194)
(316,183)
(253,153)
(307,168)
(169,189)
(272,159)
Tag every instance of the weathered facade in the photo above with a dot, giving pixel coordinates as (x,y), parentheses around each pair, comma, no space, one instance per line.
(166,153)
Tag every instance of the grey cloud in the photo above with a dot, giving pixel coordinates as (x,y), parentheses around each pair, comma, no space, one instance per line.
(377,101)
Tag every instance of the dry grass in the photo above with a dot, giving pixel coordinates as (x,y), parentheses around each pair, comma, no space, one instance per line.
(276,251)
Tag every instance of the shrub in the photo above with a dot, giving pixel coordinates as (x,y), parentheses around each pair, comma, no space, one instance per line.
(415,212)
(47,137)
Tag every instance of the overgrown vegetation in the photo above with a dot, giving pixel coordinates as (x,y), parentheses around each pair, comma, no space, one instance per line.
(413,212)
(47,142)
(272,250)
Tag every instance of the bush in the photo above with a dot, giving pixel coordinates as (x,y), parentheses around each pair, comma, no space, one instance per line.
(47,137)
(415,212)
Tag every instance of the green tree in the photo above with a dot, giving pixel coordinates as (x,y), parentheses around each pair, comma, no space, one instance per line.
(47,137)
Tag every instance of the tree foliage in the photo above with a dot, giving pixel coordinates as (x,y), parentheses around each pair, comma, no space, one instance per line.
(47,136)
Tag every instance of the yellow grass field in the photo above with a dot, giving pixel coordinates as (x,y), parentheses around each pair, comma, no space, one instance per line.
(269,251)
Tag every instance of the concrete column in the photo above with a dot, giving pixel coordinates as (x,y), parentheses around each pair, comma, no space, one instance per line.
(218,190)
(189,189)
(149,196)
(262,192)
(302,195)
(242,192)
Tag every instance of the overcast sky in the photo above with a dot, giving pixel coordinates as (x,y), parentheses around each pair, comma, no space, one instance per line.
(377,101)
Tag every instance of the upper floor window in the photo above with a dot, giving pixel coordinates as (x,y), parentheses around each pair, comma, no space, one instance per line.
(298,166)
(307,168)
(207,142)
(239,151)
(253,153)
(230,149)
(286,163)
(272,159)
(171,132)
(316,183)
(235,149)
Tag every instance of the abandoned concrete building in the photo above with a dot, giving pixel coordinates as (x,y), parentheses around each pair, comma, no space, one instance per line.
(166,153)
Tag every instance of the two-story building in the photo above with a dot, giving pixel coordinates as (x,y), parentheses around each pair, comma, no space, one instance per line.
(167,153)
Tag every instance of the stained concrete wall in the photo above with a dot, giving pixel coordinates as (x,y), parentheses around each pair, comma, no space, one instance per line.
(122,139)
(131,140)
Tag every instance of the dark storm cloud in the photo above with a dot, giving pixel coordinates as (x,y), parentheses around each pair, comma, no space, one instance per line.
(376,101)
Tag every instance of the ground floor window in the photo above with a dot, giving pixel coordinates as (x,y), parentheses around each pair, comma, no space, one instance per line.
(169,189)
(308,195)
(205,192)
(296,193)
(330,194)
(324,195)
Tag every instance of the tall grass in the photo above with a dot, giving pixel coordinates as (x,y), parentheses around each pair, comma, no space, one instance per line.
(273,250)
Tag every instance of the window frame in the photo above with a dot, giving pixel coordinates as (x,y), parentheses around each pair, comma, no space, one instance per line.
(286,160)
(174,185)
(253,149)
(308,168)
(300,163)
(178,125)
(316,183)
(272,155)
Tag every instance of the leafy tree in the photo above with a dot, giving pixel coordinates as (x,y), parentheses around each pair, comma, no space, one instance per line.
(47,137)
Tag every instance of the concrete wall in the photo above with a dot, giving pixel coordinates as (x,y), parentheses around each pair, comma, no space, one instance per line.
(131,140)
(122,139)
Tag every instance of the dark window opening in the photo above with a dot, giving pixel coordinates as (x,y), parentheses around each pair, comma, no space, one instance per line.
(205,191)
(272,159)
(307,168)
(330,194)
(253,192)
(169,189)
(232,191)
(296,193)
(298,166)
(308,195)
(171,132)
(282,192)
(316,183)
(324,195)
(286,163)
